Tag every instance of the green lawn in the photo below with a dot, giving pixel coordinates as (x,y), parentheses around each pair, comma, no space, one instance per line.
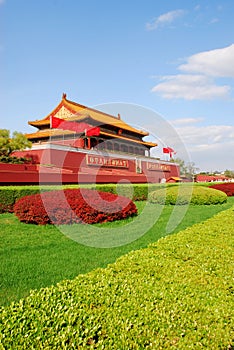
(37,256)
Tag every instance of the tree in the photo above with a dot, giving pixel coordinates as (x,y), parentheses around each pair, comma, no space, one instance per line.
(188,170)
(229,173)
(191,170)
(8,144)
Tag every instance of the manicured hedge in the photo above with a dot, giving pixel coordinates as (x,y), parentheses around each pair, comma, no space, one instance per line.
(227,188)
(176,294)
(181,195)
(10,194)
(136,192)
(73,206)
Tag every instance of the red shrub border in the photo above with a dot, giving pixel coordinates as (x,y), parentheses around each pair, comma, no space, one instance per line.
(73,206)
(227,188)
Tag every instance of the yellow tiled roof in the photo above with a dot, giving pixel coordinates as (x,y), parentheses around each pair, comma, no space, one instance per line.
(145,143)
(48,133)
(174,178)
(81,112)
(54,132)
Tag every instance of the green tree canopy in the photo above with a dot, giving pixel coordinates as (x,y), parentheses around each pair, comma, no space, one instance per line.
(17,142)
(229,173)
(186,169)
(8,144)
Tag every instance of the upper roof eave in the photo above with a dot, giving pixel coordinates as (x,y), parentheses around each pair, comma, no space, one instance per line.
(53,132)
(78,111)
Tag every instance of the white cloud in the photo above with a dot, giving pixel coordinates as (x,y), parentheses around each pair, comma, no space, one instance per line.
(213,157)
(214,20)
(197,7)
(210,146)
(197,81)
(206,135)
(183,121)
(190,87)
(217,63)
(164,19)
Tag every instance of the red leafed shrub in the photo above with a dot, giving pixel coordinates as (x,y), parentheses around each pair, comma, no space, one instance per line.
(73,206)
(228,188)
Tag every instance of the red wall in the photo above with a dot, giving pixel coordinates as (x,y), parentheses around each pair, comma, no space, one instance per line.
(58,166)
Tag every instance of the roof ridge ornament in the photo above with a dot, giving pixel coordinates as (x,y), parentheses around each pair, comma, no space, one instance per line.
(64,96)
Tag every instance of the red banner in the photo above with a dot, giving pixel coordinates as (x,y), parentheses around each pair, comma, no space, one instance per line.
(93,131)
(55,122)
(58,123)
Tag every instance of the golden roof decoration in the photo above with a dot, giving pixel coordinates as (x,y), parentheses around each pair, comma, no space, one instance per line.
(72,111)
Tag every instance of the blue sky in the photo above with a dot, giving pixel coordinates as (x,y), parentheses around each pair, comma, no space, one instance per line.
(173,57)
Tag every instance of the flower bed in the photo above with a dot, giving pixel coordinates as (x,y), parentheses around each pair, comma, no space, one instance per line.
(73,206)
(227,188)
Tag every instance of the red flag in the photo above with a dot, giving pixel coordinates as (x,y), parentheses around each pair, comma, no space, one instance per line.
(93,131)
(168,150)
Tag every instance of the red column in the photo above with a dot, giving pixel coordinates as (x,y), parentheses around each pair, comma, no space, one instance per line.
(89,144)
